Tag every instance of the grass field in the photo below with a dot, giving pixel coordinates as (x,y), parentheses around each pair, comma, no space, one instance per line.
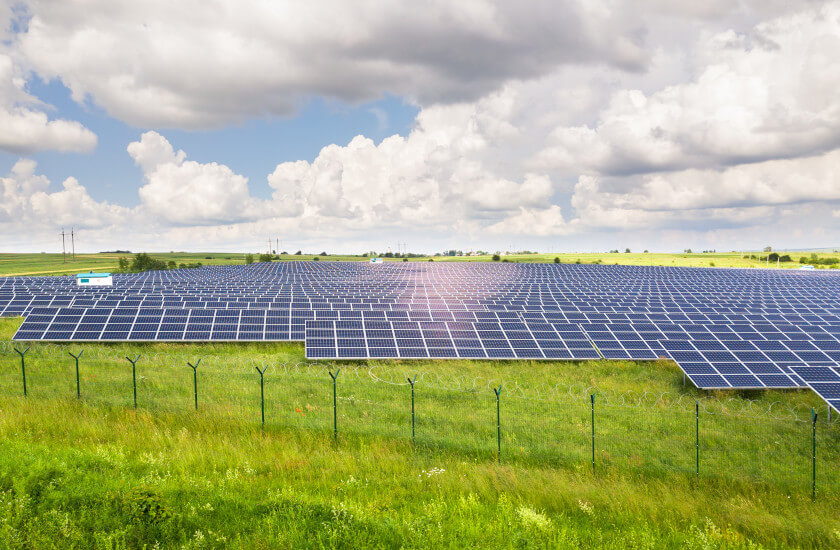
(96,473)
(55,264)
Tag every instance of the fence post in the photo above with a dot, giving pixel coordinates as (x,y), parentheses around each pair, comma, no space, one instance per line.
(412,381)
(78,385)
(335,404)
(262,393)
(592,401)
(23,367)
(697,437)
(498,424)
(813,455)
(195,380)
(134,376)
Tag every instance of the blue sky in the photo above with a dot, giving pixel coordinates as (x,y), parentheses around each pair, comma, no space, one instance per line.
(546,126)
(252,148)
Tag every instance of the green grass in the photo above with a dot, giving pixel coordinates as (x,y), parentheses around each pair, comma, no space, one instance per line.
(55,264)
(97,473)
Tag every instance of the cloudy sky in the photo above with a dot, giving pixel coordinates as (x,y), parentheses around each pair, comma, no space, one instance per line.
(559,125)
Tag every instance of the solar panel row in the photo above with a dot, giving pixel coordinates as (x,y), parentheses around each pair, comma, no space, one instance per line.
(725,328)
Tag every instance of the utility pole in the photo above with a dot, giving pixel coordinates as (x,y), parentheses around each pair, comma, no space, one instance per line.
(73,242)
(63,248)
(269,245)
(277,250)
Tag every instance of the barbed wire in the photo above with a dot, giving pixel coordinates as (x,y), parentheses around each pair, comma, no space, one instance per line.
(398,375)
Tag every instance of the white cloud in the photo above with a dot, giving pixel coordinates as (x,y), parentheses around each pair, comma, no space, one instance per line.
(767,94)
(731,133)
(25,128)
(28,203)
(197,64)
(182,192)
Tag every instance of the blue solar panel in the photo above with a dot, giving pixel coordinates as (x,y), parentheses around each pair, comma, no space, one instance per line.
(725,328)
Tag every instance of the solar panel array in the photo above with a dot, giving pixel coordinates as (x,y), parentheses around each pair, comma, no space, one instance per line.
(726,328)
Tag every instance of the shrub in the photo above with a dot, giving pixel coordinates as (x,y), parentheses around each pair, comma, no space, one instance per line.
(171,264)
(265,258)
(405,259)
(556,260)
(249,259)
(496,257)
(316,258)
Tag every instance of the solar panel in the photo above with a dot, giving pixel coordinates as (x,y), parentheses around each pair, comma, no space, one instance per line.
(726,328)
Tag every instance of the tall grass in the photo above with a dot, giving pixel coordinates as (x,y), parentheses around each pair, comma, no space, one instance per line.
(96,473)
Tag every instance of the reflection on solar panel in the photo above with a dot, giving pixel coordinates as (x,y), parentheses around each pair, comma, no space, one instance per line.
(726,328)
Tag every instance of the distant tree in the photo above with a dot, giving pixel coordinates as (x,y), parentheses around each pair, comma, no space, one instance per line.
(124,265)
(144,262)
(646,251)
(768,249)
(496,257)
(627,251)
(298,253)
(182,265)
(249,259)
(264,258)
(556,260)
(687,251)
(405,259)
(773,257)
(785,258)
(316,259)
(431,259)
(324,254)
(388,255)
(171,264)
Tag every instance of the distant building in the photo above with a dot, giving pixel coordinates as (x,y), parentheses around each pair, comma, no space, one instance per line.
(94,279)
(807,267)
(376,260)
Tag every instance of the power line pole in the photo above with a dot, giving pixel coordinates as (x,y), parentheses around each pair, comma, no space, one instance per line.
(277,250)
(73,242)
(63,248)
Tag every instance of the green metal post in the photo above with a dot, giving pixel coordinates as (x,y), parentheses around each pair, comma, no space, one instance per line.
(697,437)
(262,393)
(498,423)
(23,367)
(813,455)
(410,381)
(78,385)
(134,376)
(335,404)
(592,401)
(195,380)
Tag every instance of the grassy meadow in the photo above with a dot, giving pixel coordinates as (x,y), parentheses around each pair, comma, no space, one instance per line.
(12,264)
(97,473)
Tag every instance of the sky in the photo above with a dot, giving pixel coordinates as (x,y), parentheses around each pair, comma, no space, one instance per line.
(556,125)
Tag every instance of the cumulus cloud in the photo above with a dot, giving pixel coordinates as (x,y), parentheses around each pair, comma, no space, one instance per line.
(26,127)
(702,123)
(183,192)
(27,202)
(766,94)
(197,64)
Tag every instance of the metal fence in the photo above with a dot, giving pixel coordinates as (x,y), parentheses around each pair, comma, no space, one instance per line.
(602,433)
